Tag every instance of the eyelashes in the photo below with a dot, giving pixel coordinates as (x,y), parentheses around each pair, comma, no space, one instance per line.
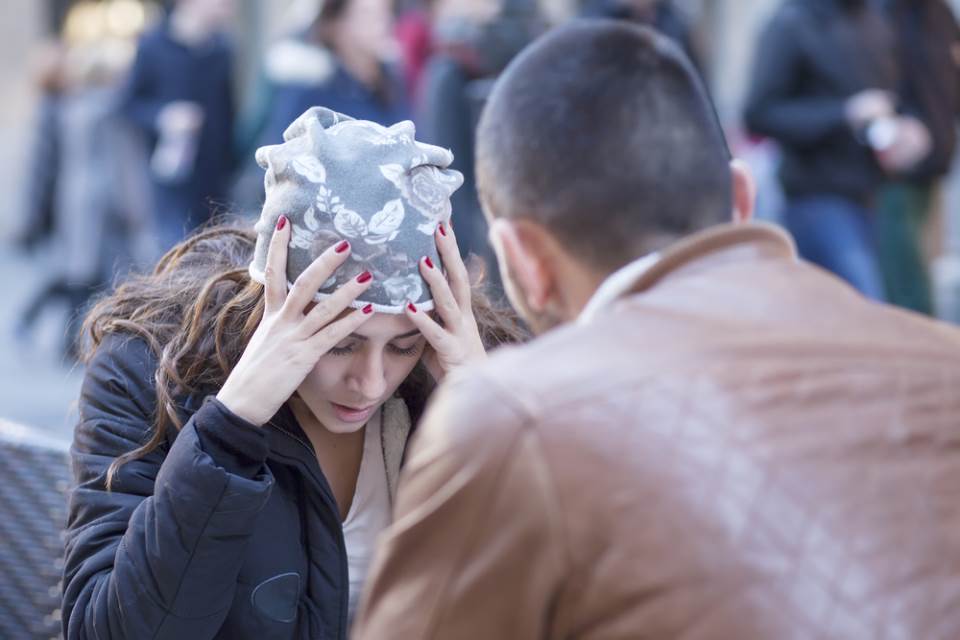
(408,352)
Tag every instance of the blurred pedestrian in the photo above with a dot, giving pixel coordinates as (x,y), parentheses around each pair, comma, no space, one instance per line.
(180,95)
(473,41)
(662,15)
(711,439)
(345,59)
(37,212)
(823,87)
(928,40)
(100,202)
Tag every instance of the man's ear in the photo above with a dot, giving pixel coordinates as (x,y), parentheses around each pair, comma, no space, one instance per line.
(523,259)
(744,191)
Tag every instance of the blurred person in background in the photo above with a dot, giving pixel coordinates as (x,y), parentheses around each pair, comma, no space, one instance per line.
(662,15)
(179,94)
(823,87)
(37,212)
(345,58)
(928,43)
(414,32)
(101,224)
(473,41)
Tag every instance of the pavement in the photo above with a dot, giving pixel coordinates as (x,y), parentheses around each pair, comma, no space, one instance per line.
(38,386)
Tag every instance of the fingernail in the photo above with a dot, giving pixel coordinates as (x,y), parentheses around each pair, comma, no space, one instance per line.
(412,307)
(367,310)
(443,231)
(366,276)
(428,262)
(343,246)
(281,222)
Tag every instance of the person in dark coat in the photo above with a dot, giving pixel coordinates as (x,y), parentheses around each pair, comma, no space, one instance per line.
(180,95)
(928,39)
(238,445)
(341,61)
(825,71)
(473,43)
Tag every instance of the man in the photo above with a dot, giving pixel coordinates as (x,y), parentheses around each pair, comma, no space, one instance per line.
(719,442)
(825,73)
(928,40)
(180,95)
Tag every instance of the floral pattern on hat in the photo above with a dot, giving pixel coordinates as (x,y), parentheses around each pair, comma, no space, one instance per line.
(338,179)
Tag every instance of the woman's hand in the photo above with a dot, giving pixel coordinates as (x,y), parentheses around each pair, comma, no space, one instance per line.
(289,340)
(457,341)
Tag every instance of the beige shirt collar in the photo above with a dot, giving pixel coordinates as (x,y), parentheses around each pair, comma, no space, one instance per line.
(720,243)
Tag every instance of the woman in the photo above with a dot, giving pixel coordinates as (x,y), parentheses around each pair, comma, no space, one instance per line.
(240,438)
(341,60)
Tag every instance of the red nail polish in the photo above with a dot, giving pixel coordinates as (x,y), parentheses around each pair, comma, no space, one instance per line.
(281,222)
(367,310)
(443,231)
(428,262)
(343,246)
(364,277)
(412,307)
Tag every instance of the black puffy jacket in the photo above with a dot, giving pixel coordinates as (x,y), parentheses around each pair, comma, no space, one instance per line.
(812,57)
(226,531)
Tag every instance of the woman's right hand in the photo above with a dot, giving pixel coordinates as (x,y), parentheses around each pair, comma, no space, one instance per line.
(289,339)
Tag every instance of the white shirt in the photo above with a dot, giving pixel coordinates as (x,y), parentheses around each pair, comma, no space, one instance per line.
(369,512)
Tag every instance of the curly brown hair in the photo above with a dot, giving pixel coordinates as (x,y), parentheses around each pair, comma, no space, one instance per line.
(199,308)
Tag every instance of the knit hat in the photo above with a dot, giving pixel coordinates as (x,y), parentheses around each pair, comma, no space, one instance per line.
(336,178)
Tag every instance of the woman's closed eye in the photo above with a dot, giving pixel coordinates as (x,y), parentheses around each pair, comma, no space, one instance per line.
(409,352)
(350,347)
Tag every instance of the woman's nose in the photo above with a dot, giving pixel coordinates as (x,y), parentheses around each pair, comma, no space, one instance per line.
(368,379)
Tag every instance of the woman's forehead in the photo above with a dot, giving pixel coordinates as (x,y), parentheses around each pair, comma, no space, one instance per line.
(383,326)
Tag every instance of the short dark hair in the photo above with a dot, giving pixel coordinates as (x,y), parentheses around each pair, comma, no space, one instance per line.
(602,132)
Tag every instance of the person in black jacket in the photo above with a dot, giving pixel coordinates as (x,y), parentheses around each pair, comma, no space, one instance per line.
(822,87)
(928,40)
(179,94)
(239,445)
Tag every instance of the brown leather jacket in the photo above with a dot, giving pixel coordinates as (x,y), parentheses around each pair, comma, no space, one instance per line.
(742,447)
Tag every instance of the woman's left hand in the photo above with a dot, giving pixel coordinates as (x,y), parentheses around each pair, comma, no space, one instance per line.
(457,341)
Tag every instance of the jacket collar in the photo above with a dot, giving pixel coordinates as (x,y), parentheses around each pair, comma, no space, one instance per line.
(288,443)
(717,245)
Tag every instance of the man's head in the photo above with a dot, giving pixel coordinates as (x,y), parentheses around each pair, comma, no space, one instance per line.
(597,146)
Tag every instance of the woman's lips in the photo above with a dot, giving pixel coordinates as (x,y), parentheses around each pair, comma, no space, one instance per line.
(349,414)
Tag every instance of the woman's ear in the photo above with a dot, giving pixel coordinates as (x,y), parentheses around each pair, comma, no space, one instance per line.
(523,263)
(744,191)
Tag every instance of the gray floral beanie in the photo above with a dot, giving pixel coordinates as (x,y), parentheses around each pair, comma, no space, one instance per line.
(336,178)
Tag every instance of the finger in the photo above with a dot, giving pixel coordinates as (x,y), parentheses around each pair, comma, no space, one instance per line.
(275,272)
(313,277)
(443,298)
(333,305)
(453,263)
(436,336)
(336,331)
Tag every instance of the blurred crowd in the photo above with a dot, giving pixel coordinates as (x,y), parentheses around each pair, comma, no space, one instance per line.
(142,132)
